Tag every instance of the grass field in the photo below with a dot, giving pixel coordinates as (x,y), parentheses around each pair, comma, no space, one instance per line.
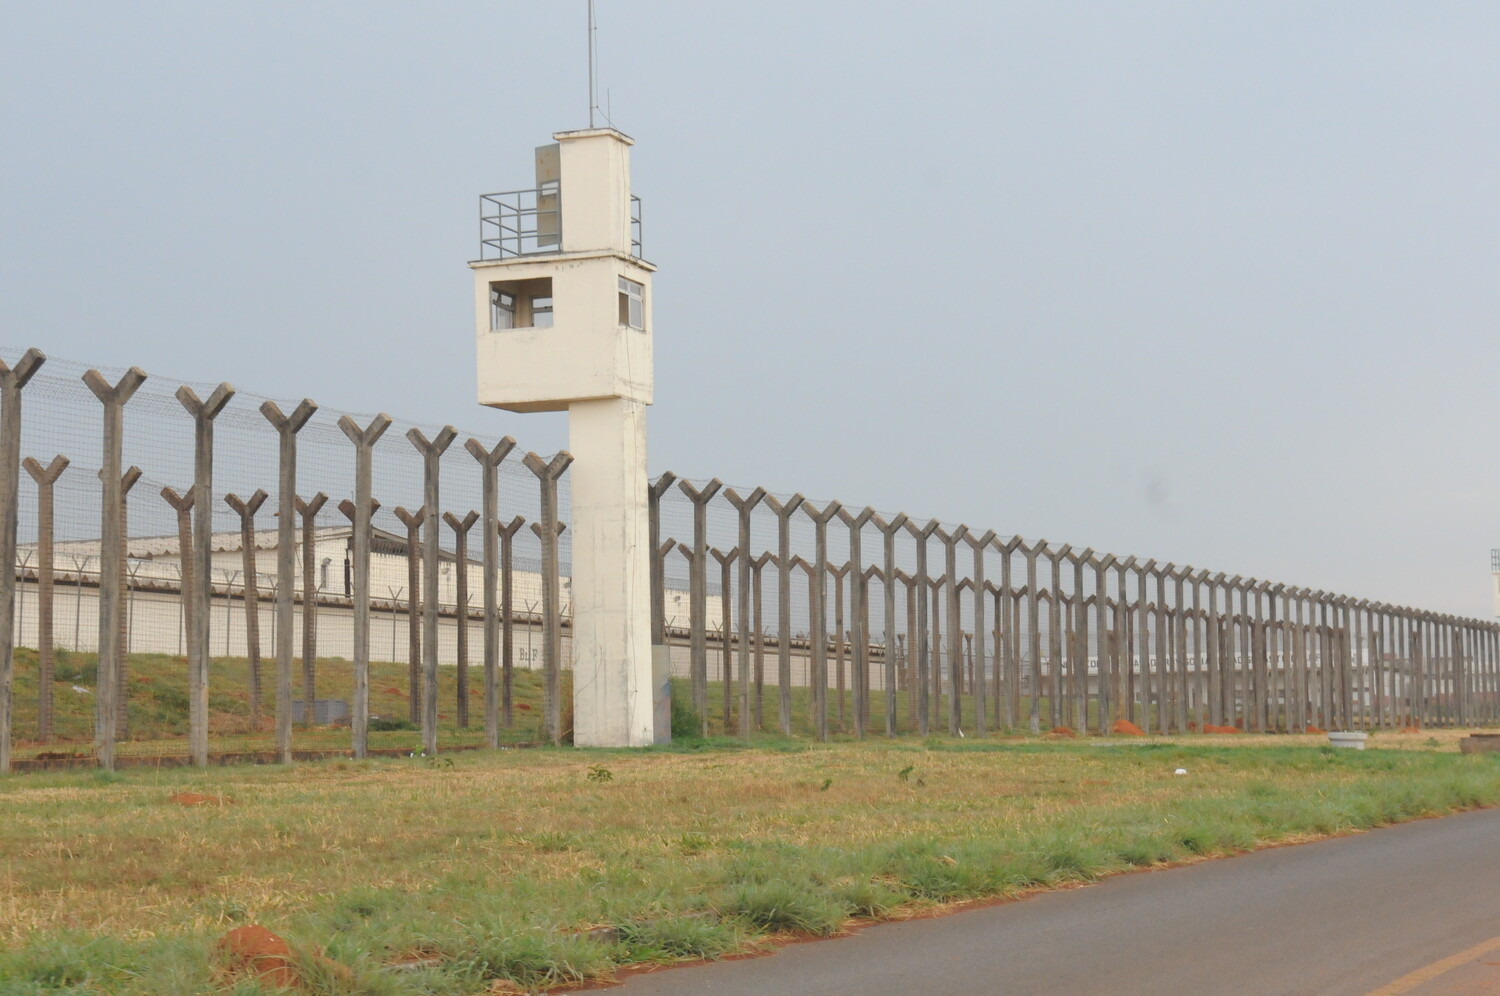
(477,872)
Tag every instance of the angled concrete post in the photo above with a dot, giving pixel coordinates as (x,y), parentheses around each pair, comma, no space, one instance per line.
(859,636)
(182,504)
(862,617)
(1141,700)
(489,460)
(725,560)
(818,623)
(246,510)
(203,414)
(360,512)
(111,555)
(888,532)
(950,543)
(548,473)
(654,493)
(507,532)
(783,512)
(432,453)
(758,607)
(122,668)
(12,380)
(1078,653)
(1008,662)
(698,594)
(1260,673)
(287,427)
(908,666)
(45,478)
(935,666)
(1215,661)
(461,529)
(1033,625)
(309,510)
(917,642)
(744,505)
(1106,666)
(1124,647)
(837,575)
(413,523)
(979,544)
(1054,633)
(1180,671)
(1273,643)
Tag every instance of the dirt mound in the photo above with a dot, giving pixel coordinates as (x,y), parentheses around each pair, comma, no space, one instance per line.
(1127,727)
(1411,729)
(1315,729)
(1062,731)
(1211,728)
(255,951)
(195,799)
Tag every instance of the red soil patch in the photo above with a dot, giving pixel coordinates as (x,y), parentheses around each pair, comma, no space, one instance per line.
(1127,727)
(254,950)
(1211,728)
(524,707)
(393,691)
(1411,729)
(1316,729)
(1062,731)
(194,799)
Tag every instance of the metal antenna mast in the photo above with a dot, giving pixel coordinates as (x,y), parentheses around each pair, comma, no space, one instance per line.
(593,61)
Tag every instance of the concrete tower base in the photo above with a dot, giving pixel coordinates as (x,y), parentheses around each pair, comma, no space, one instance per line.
(613,694)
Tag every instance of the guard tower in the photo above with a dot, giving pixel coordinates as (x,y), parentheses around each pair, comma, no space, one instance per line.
(562,299)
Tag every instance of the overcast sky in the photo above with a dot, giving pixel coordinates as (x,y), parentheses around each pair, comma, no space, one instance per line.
(1214,283)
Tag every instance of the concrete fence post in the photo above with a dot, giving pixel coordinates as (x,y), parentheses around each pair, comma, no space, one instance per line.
(413,523)
(698,595)
(489,460)
(287,427)
(725,560)
(744,505)
(859,636)
(45,478)
(783,511)
(111,556)
(818,624)
(122,666)
(758,608)
(12,380)
(431,452)
(548,529)
(182,504)
(888,533)
(917,642)
(1106,666)
(308,510)
(1007,606)
(203,414)
(461,529)
(507,532)
(654,494)
(246,510)
(360,512)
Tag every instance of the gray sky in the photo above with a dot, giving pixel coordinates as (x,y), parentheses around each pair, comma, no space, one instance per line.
(1209,282)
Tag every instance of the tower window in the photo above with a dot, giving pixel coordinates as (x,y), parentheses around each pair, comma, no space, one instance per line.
(521,304)
(632,305)
(502,309)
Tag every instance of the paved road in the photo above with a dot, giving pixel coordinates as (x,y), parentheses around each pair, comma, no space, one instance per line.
(1408,909)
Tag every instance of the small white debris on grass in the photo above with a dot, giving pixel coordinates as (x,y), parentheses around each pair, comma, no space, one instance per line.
(1180,771)
(81,690)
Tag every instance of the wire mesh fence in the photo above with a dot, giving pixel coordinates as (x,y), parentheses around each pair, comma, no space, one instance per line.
(289,608)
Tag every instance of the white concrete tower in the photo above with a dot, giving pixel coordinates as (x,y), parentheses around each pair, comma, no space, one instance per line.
(563,305)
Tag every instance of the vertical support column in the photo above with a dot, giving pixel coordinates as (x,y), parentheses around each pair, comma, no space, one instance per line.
(431,452)
(757,607)
(1008,662)
(12,380)
(246,511)
(744,505)
(1078,655)
(413,523)
(818,624)
(548,473)
(918,590)
(45,478)
(1054,633)
(182,504)
(725,560)
(654,494)
(1104,667)
(203,414)
(698,595)
(981,644)
(507,533)
(888,532)
(783,512)
(950,543)
(461,529)
(1124,649)
(360,512)
(287,427)
(840,648)
(859,635)
(1141,700)
(489,465)
(122,665)
(111,561)
(1033,626)
(309,510)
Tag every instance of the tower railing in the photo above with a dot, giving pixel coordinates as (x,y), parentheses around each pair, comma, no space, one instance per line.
(520,223)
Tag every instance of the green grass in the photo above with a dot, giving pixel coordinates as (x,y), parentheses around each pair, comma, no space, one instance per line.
(488,873)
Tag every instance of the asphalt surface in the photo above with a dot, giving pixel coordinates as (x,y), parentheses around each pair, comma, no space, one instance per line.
(1407,909)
